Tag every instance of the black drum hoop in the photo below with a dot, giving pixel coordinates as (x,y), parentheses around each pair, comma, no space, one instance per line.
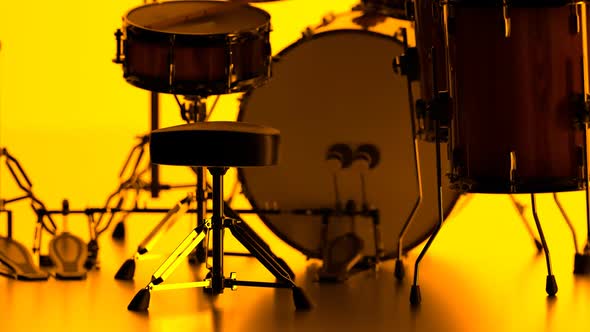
(521,186)
(510,3)
(265,27)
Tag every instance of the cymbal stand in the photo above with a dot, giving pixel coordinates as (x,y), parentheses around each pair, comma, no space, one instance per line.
(407,64)
(439,112)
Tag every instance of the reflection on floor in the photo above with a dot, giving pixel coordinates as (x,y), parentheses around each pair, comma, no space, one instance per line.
(470,281)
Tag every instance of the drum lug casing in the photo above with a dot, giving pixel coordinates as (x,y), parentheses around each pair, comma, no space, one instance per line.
(119,57)
(440,109)
(581,105)
(408,64)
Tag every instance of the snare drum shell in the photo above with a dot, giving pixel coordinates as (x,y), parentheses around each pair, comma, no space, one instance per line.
(193,64)
(516,95)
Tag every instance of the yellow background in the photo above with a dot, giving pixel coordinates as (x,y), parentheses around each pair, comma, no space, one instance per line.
(69,117)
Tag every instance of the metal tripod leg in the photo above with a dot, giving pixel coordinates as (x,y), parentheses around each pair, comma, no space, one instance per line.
(551,284)
(399,266)
(415,297)
(127,269)
(141,301)
(520,209)
(250,241)
(182,251)
(567,221)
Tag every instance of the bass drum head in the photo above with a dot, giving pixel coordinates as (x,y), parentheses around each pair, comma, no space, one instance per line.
(338,87)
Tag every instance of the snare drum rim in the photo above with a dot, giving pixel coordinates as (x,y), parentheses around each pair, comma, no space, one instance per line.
(244,182)
(264,27)
(143,34)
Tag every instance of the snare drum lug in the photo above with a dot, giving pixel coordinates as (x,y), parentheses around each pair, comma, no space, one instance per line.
(307,33)
(581,106)
(326,20)
(118,37)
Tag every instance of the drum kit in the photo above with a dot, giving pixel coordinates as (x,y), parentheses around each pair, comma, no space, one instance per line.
(503,90)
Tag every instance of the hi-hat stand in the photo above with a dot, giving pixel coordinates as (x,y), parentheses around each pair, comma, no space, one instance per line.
(14,256)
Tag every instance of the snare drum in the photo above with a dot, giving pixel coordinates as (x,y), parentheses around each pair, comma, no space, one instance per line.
(336,85)
(515,72)
(196,47)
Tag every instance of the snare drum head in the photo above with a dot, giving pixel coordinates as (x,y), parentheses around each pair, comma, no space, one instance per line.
(227,18)
(339,87)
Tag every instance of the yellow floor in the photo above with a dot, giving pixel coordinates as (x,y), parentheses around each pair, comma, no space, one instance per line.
(470,282)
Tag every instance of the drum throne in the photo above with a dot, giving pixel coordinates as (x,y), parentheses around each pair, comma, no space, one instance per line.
(229,144)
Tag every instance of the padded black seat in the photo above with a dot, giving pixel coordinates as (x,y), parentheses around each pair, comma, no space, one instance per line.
(215,144)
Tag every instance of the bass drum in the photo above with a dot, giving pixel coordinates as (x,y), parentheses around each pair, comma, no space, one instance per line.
(336,85)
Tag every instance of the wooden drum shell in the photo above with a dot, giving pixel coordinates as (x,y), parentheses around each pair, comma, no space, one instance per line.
(515,94)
